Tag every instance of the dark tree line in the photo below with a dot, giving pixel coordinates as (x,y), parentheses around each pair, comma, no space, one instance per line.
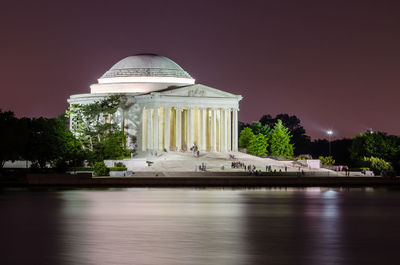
(40,141)
(45,141)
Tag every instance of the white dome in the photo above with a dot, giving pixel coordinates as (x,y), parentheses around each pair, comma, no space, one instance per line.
(146,65)
(142,73)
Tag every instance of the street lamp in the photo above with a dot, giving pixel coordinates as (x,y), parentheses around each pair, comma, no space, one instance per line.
(329,133)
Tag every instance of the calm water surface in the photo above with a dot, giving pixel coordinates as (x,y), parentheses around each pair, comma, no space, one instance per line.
(188,226)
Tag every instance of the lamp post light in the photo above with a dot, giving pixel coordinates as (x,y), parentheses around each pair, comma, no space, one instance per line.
(329,133)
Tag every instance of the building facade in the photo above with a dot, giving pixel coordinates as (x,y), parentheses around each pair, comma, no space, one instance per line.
(162,108)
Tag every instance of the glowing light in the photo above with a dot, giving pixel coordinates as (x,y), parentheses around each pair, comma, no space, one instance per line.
(146,79)
(329,132)
(96,88)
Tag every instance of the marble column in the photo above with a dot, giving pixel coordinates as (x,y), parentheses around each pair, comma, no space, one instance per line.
(71,124)
(139,132)
(167,127)
(221,131)
(235,130)
(190,128)
(155,130)
(202,135)
(229,122)
(225,130)
(149,121)
(178,129)
(214,130)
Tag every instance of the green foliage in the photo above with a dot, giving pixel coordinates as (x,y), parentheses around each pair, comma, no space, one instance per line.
(257,128)
(377,165)
(100,169)
(374,144)
(50,142)
(119,164)
(42,141)
(280,141)
(299,137)
(327,160)
(245,136)
(100,135)
(258,145)
(90,122)
(115,146)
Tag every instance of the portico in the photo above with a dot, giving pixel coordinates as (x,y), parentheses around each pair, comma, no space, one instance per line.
(176,128)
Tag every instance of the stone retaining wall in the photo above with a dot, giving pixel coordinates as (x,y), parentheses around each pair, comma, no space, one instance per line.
(189,180)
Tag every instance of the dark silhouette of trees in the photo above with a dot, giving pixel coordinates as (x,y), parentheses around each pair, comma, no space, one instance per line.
(9,145)
(299,138)
(40,141)
(375,144)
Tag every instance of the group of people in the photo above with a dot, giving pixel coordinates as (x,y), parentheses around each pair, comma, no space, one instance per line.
(268,168)
(238,164)
(202,167)
(253,170)
(195,150)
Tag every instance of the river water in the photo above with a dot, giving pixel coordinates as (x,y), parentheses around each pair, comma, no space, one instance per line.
(191,226)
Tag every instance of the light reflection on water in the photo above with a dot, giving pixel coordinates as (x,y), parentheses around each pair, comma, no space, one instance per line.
(188,226)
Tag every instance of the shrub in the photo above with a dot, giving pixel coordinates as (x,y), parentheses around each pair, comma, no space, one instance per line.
(100,169)
(119,164)
(327,160)
(378,165)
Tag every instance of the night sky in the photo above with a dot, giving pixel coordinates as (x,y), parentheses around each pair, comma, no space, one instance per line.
(334,64)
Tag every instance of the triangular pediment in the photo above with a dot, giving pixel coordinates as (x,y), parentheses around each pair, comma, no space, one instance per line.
(196,90)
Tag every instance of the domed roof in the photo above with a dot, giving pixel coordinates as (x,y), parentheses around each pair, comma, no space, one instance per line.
(146,65)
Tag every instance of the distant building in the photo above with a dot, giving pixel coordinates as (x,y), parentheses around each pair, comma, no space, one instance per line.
(162,107)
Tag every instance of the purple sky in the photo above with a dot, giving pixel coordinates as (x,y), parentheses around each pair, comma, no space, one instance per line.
(334,64)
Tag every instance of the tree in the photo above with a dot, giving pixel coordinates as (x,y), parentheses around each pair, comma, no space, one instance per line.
(258,145)
(49,141)
(10,148)
(375,144)
(377,164)
(245,136)
(92,122)
(327,160)
(280,141)
(94,126)
(299,137)
(115,145)
(257,128)
(241,126)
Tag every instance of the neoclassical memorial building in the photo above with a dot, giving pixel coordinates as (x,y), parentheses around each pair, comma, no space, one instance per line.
(162,108)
